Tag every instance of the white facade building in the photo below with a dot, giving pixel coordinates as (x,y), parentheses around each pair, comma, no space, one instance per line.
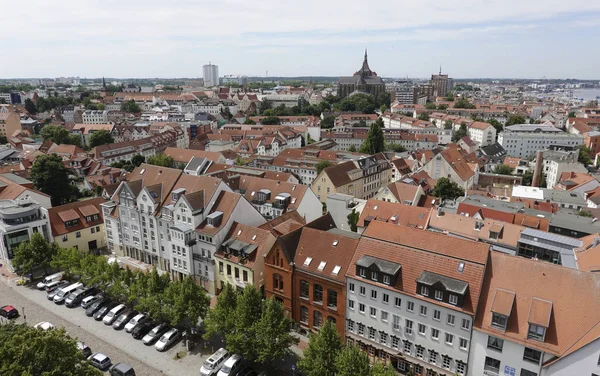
(94,117)
(210,75)
(526,140)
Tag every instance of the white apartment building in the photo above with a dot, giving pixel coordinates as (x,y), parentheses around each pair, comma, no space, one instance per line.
(19,220)
(94,117)
(526,140)
(288,100)
(412,297)
(530,324)
(483,134)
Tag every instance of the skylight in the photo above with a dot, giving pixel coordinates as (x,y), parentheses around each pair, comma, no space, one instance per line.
(321,266)
(239,232)
(336,270)
(253,237)
(335,242)
(307,261)
(375,207)
(461,266)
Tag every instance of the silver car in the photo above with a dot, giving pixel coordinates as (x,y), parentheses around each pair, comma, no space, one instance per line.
(167,339)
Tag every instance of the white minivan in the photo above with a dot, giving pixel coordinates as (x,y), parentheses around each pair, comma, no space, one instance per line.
(112,315)
(213,364)
(64,292)
(51,278)
(232,366)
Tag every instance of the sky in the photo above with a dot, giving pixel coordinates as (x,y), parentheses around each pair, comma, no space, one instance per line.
(409,38)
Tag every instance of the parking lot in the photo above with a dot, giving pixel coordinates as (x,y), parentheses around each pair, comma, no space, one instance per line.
(119,345)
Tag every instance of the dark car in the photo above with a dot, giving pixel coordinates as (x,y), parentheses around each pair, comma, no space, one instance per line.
(85,349)
(9,312)
(96,306)
(247,371)
(141,330)
(100,313)
(154,334)
(123,319)
(121,369)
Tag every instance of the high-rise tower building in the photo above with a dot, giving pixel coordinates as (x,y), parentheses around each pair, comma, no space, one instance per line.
(210,75)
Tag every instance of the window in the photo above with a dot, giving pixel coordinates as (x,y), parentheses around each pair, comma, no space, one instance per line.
(499,321)
(532,355)
(350,325)
(398,302)
(491,364)
(466,324)
(374,276)
(304,315)
(372,333)
(422,329)
(407,346)
(386,279)
(449,339)
(363,290)
(396,322)
(220,267)
(409,325)
(386,298)
(439,295)
(373,294)
(303,285)
(277,281)
(384,316)
(361,308)
(383,338)
(93,230)
(436,314)
(361,329)
(435,333)
(318,294)
(446,361)
(331,299)
(410,306)
(453,299)
(373,311)
(229,273)
(525,372)
(420,351)
(317,319)
(536,332)
(351,287)
(450,319)
(425,290)
(350,304)
(463,343)
(461,368)
(65,238)
(495,343)
(395,342)
(362,272)
(432,356)
(423,310)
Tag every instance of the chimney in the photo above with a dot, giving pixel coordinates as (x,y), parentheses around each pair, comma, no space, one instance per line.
(537,172)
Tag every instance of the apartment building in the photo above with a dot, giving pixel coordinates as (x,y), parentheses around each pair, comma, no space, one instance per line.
(86,130)
(412,298)
(526,140)
(456,165)
(536,319)
(10,122)
(361,178)
(400,192)
(483,134)
(94,117)
(390,212)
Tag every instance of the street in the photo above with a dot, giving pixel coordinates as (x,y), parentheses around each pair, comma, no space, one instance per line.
(120,346)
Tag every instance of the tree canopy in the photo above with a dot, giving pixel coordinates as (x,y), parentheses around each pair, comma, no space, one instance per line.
(515,119)
(328,122)
(59,135)
(50,176)
(585,157)
(464,103)
(497,125)
(131,107)
(503,169)
(161,160)
(320,355)
(101,137)
(321,166)
(375,143)
(37,251)
(447,189)
(364,103)
(25,350)
(353,220)
(30,106)
(460,133)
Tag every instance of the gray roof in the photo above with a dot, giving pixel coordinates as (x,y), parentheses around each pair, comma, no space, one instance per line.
(550,237)
(384,266)
(575,222)
(531,128)
(347,234)
(15,178)
(564,196)
(369,80)
(195,163)
(451,284)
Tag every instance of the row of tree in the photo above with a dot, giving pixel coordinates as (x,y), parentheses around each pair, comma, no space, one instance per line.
(60,135)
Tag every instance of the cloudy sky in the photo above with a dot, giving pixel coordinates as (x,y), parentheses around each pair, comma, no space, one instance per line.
(174,38)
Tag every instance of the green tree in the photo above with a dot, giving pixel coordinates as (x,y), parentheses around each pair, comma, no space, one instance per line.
(424,116)
(584,155)
(239,161)
(442,107)
(273,332)
(450,97)
(249,121)
(397,148)
(460,133)
(446,189)
(69,261)
(361,124)
(572,114)
(37,251)
(161,160)
(381,369)
(503,169)
(383,108)
(55,133)
(322,351)
(328,122)
(352,149)
(226,113)
(50,176)
(247,313)
(321,166)
(186,303)
(30,106)
(497,125)
(220,319)
(131,107)
(351,361)
(585,213)
(353,220)
(515,119)
(101,137)
(430,106)
(27,351)
(375,142)
(137,160)
(464,103)
(271,120)
(265,105)
(527,178)
(448,124)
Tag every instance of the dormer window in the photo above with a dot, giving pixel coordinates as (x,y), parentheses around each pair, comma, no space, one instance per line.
(439,295)
(453,299)
(424,290)
(363,272)
(536,332)
(499,321)
(374,276)
(386,279)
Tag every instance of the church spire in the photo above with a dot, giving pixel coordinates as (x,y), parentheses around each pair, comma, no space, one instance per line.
(103,83)
(440,69)
(365,54)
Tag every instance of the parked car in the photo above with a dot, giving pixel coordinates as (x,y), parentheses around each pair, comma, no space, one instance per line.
(141,330)
(102,311)
(85,349)
(56,284)
(56,289)
(138,319)
(44,325)
(246,371)
(213,364)
(60,297)
(75,298)
(51,278)
(9,312)
(121,369)
(95,306)
(123,319)
(113,314)
(231,366)
(88,301)
(100,361)
(167,339)
(155,334)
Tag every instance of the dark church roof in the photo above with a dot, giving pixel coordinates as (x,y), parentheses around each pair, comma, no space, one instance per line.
(364,76)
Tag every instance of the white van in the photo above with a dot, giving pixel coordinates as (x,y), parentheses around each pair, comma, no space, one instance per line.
(232,366)
(51,278)
(64,292)
(213,364)
(112,315)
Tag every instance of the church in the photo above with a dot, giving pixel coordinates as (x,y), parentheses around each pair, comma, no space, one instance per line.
(363,81)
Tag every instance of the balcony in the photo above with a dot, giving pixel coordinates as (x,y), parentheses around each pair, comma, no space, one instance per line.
(190,242)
